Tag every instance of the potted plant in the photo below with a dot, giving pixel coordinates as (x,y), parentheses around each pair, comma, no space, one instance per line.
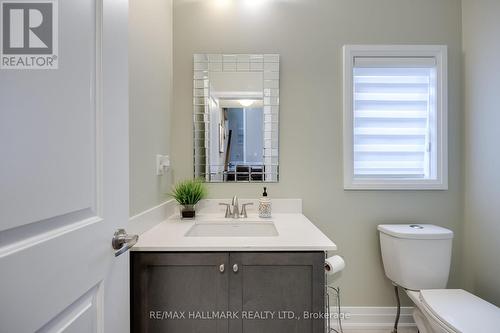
(187,193)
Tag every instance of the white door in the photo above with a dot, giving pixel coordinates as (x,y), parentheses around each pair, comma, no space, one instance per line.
(64,176)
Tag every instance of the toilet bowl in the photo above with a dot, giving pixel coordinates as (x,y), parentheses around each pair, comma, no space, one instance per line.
(417,258)
(453,311)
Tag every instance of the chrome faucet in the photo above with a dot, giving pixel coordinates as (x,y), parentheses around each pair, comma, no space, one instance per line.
(233,209)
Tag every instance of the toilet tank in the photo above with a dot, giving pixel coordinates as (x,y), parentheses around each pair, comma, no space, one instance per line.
(416,256)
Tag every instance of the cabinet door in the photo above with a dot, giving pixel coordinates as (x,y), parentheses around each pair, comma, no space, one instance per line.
(276,283)
(177,292)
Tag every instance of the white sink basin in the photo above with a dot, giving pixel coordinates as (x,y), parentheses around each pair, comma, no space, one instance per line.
(233,229)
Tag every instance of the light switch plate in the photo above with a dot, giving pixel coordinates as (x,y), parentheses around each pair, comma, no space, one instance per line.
(162,164)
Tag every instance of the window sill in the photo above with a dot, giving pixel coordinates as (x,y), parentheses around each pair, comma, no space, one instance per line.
(387,185)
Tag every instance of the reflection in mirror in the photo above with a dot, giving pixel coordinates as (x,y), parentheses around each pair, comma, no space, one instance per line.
(236,109)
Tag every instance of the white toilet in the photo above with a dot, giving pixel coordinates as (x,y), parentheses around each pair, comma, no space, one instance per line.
(417,258)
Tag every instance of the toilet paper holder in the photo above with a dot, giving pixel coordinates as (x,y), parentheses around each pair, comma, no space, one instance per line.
(333,265)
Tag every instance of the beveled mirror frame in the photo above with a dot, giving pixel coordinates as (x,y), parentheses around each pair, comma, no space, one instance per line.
(203,65)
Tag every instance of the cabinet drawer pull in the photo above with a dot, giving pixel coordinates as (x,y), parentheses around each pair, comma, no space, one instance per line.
(235,268)
(222,268)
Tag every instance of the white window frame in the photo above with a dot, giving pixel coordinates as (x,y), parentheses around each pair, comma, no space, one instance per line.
(439,52)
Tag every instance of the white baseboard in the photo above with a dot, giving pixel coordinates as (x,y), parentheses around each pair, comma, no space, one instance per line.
(382,330)
(147,219)
(374,319)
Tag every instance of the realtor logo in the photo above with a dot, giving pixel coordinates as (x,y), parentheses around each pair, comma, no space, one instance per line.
(29,34)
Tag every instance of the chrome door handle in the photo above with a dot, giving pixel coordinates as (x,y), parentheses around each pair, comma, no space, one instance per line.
(235,268)
(123,241)
(222,268)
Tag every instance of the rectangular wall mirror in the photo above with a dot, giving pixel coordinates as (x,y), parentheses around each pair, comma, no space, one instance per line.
(236,117)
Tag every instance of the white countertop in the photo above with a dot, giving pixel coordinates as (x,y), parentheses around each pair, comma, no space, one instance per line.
(295,233)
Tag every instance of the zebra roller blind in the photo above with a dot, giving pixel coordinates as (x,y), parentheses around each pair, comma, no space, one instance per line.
(394,112)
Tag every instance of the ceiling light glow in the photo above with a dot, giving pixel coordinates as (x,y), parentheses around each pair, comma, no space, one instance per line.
(222,3)
(245,102)
(253,3)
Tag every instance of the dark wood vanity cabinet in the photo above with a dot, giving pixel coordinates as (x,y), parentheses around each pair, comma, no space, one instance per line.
(285,284)
(227,292)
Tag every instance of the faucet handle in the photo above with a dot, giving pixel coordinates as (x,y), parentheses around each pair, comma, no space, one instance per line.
(244,209)
(228,209)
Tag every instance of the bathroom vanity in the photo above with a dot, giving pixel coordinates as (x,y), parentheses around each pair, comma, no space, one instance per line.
(214,274)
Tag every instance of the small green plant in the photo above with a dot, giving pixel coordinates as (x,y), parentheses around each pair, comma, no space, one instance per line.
(189,192)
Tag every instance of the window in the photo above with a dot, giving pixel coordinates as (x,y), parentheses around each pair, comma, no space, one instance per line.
(395,117)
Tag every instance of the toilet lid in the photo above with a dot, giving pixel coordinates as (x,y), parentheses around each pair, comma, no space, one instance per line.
(462,311)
